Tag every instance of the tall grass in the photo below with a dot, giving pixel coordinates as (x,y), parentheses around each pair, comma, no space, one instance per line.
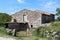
(57,23)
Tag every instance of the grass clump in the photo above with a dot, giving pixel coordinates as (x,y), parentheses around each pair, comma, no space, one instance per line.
(22,33)
(57,23)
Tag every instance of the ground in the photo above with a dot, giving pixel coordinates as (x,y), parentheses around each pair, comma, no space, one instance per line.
(4,38)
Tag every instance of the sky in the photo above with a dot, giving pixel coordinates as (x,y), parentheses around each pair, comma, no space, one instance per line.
(12,6)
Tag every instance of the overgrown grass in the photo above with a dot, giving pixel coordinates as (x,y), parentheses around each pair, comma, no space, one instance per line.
(3,33)
(57,23)
(36,35)
(32,38)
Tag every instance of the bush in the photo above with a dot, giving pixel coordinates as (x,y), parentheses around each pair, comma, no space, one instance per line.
(58,18)
(3,31)
(4,18)
(55,23)
(2,24)
(40,32)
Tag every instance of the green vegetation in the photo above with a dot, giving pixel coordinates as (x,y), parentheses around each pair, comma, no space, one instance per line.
(58,14)
(38,34)
(22,33)
(4,18)
(3,33)
(58,11)
(57,23)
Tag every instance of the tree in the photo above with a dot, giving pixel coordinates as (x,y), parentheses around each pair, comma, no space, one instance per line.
(4,18)
(58,13)
(58,18)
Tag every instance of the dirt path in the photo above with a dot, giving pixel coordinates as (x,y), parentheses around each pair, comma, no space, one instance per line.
(3,38)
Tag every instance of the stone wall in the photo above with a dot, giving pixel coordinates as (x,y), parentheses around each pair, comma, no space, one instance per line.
(34,18)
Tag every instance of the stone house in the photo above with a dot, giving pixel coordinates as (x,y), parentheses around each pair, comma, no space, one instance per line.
(34,18)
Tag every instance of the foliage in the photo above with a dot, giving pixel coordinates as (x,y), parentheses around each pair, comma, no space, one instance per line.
(57,23)
(58,18)
(58,13)
(41,31)
(3,32)
(4,18)
(55,26)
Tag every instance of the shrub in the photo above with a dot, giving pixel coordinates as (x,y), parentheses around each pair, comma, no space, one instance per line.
(55,23)
(40,32)
(4,18)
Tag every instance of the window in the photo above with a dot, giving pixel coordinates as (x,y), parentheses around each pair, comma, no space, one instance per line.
(25,17)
